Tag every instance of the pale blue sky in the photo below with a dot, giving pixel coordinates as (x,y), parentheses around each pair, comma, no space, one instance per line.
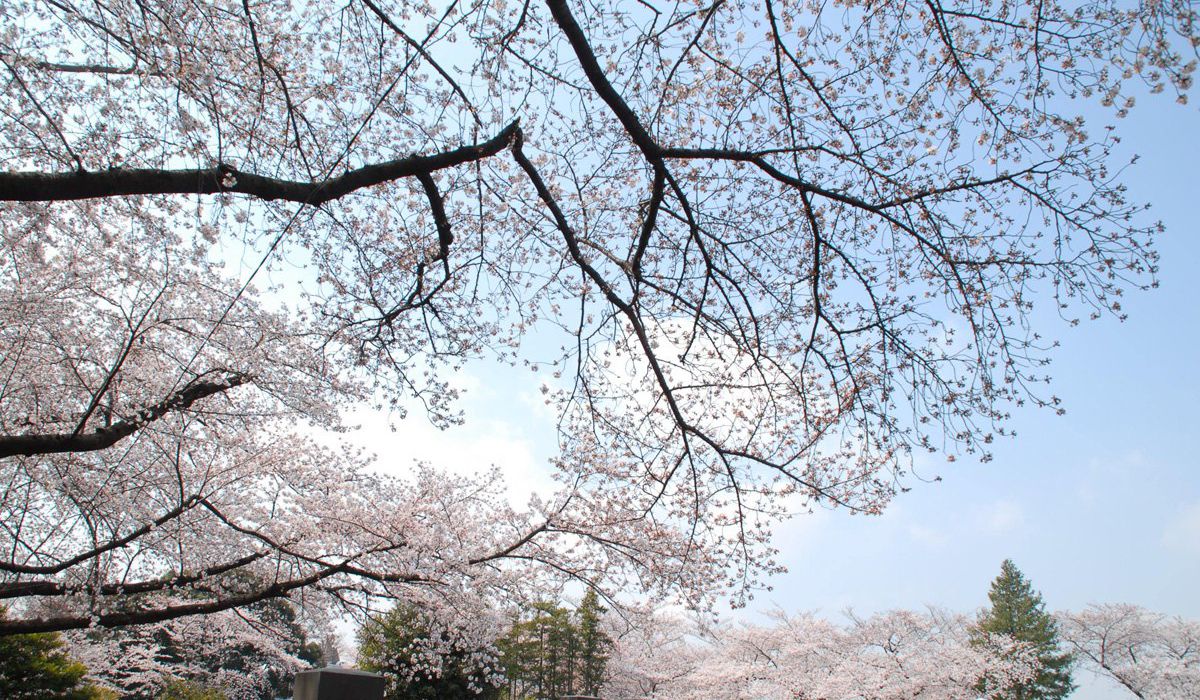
(1099,505)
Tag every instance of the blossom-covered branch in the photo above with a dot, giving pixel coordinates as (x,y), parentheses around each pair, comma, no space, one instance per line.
(112,433)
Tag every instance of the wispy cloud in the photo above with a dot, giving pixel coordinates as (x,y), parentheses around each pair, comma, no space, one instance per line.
(507,442)
(1182,533)
(928,536)
(1001,517)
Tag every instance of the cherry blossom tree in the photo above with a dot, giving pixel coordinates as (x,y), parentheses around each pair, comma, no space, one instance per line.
(894,655)
(780,245)
(653,655)
(1151,655)
(246,654)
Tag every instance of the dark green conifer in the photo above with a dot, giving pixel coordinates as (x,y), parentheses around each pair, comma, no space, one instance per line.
(1018,611)
(37,667)
(594,644)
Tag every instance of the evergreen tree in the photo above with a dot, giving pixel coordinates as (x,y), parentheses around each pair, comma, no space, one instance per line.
(1018,611)
(594,644)
(556,652)
(539,653)
(35,667)
(180,689)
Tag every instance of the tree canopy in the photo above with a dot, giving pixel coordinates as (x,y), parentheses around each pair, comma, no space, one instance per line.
(767,250)
(1149,654)
(252,653)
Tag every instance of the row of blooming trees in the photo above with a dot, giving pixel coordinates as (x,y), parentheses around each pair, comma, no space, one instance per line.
(768,249)
(901,655)
(890,656)
(1014,650)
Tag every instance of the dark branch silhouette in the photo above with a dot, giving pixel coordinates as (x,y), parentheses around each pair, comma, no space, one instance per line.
(119,182)
(103,438)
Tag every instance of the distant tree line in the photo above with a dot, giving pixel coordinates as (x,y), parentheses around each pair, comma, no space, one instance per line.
(1013,650)
(555,652)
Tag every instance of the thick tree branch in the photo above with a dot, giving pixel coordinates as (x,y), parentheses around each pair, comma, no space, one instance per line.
(120,182)
(96,551)
(169,612)
(595,74)
(18,589)
(102,438)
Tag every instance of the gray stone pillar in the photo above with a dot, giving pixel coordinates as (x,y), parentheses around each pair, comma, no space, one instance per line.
(335,683)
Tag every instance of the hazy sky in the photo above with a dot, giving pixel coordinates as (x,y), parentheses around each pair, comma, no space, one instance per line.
(1099,505)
